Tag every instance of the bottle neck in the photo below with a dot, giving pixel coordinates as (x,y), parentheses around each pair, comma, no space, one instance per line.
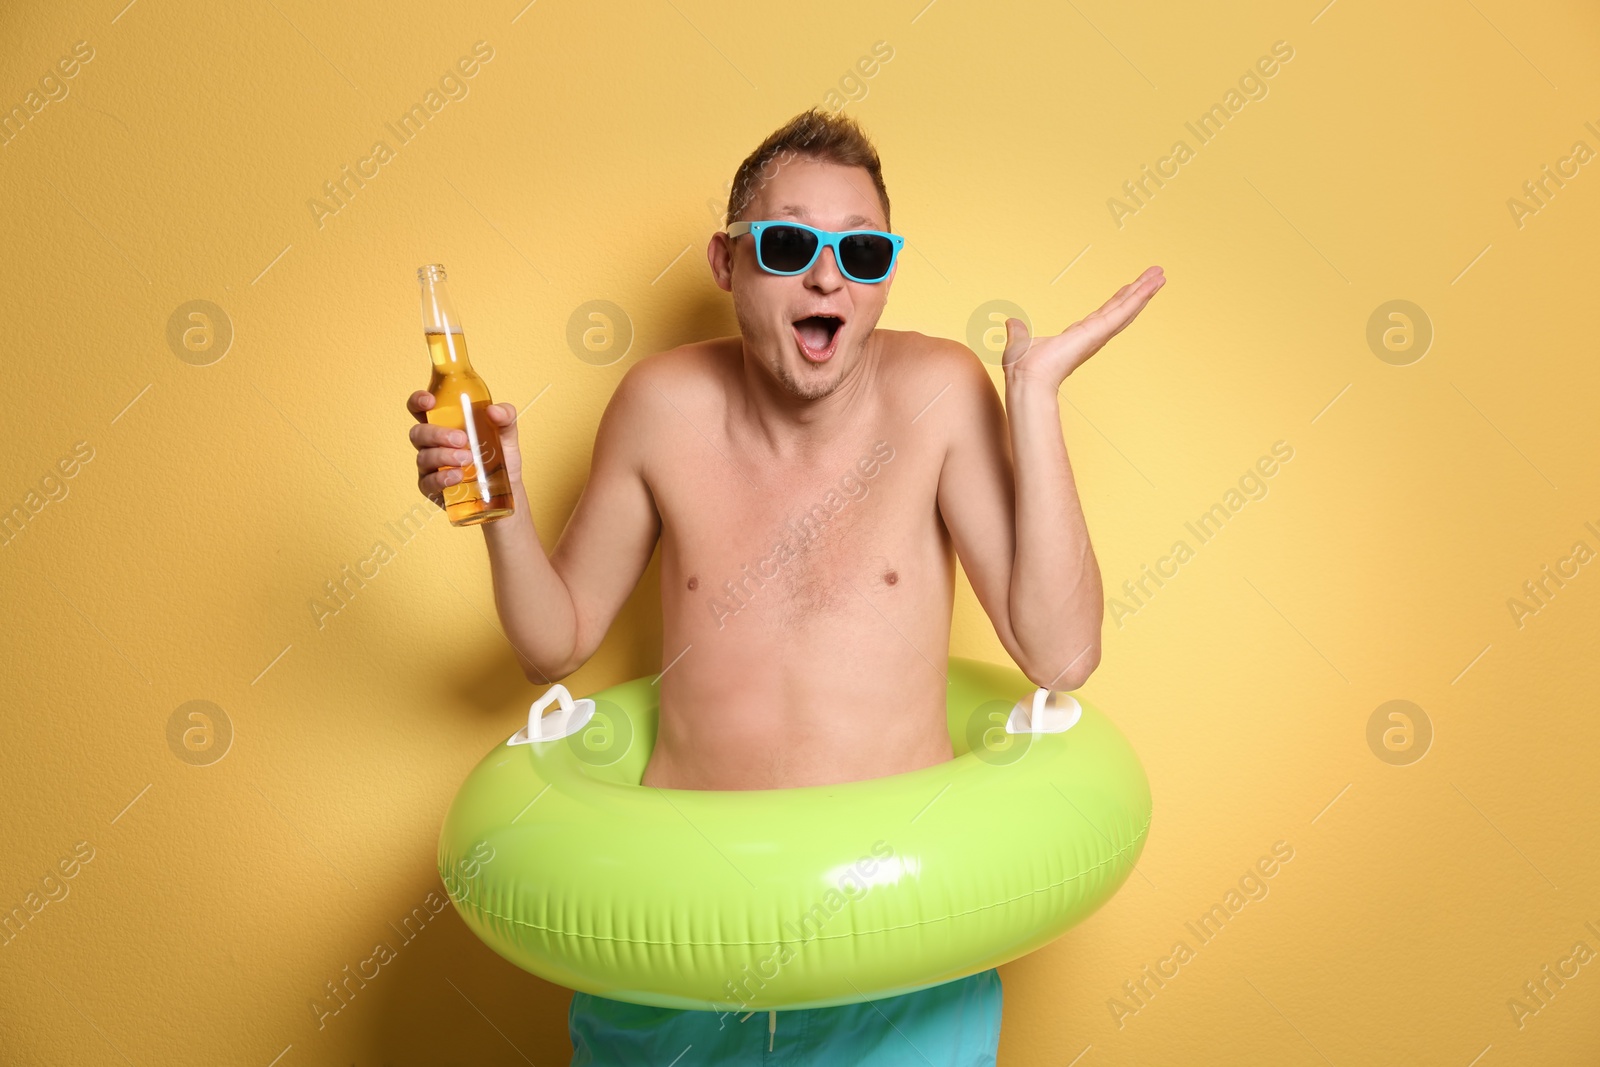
(447,344)
(448,352)
(438,313)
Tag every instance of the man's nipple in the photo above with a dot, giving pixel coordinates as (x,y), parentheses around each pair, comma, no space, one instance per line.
(890,577)
(694,583)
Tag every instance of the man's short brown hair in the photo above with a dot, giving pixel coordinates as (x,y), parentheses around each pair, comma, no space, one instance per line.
(812,134)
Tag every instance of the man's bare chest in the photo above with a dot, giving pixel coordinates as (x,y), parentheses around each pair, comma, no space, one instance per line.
(797,543)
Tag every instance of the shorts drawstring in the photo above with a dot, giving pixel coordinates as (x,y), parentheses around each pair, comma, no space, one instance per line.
(772,1025)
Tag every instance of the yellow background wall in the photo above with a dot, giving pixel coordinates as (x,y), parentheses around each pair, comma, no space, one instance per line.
(211,498)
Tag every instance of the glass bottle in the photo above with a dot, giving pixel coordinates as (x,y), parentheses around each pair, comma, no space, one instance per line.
(460,401)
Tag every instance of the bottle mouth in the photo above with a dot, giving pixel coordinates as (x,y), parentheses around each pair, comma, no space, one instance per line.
(433,272)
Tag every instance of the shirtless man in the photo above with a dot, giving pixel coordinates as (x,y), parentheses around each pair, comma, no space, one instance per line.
(810,483)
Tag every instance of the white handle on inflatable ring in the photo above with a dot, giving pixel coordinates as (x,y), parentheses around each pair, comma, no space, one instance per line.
(1048,712)
(572,716)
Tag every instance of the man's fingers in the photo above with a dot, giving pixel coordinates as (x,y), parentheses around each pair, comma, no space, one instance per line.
(419,403)
(433,485)
(1113,307)
(1087,336)
(430,436)
(1147,282)
(1135,303)
(432,459)
(1133,296)
(1115,299)
(1112,317)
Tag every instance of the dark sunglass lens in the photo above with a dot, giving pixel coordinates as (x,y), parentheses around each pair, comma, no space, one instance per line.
(867,255)
(787,247)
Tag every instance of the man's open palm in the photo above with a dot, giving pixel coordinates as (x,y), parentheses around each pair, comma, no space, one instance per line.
(1050,359)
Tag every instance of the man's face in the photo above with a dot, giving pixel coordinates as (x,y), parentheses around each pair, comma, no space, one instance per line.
(772,309)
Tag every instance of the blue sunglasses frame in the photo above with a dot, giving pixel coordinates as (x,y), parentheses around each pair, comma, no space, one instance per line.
(825,239)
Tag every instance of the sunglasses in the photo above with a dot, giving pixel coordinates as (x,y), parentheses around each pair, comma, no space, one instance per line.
(791,248)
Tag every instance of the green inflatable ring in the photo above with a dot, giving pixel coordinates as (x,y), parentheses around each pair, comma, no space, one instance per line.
(738,900)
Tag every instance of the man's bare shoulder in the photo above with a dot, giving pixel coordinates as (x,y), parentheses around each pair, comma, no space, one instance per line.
(690,375)
(936,374)
(692,372)
(649,405)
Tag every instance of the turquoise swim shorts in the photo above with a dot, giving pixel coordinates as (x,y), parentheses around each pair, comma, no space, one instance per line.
(956,1024)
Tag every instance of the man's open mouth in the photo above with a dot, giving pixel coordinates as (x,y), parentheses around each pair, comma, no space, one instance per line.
(818,336)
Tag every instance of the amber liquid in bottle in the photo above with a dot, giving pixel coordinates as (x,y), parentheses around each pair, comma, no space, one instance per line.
(460,398)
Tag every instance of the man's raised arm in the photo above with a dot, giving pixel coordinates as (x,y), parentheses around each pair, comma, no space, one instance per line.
(1016,520)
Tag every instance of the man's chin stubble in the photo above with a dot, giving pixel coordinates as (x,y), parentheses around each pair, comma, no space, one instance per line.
(801,391)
